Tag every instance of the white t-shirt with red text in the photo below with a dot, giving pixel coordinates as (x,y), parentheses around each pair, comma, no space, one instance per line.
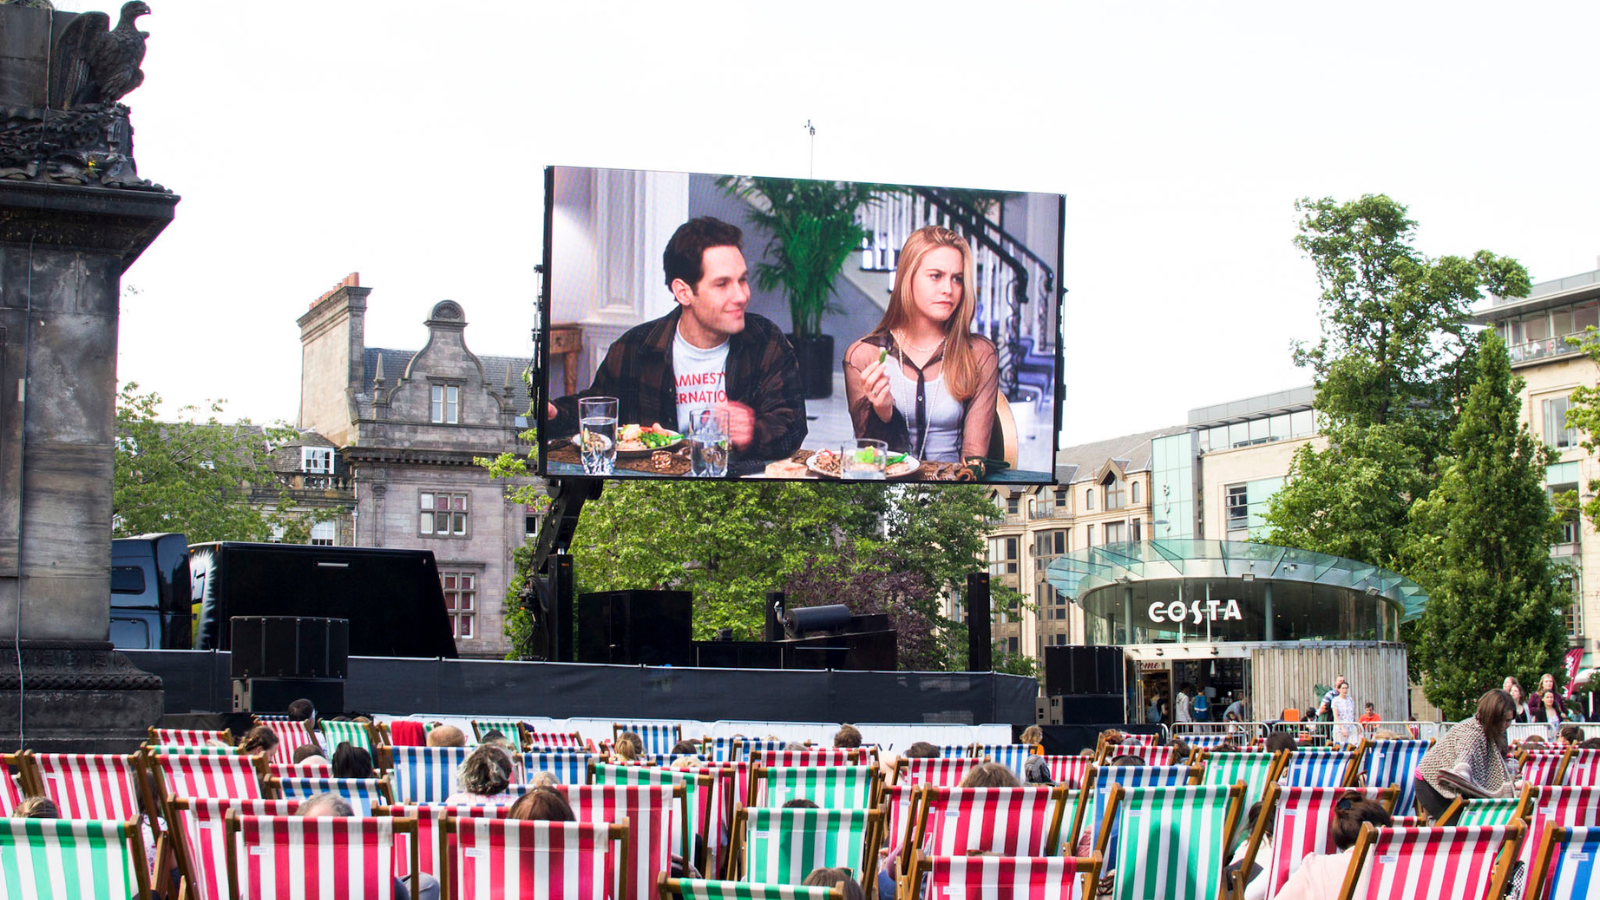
(701,377)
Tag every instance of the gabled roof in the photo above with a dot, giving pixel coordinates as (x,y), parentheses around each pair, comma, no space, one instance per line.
(1130,451)
(497,370)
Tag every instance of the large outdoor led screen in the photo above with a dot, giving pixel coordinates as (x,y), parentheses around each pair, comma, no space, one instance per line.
(707,326)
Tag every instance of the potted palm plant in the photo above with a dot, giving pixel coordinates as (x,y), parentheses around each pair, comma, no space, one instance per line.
(814,231)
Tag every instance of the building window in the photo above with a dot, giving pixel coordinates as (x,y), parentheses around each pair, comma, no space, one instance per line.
(316,460)
(446,404)
(1012,504)
(1238,508)
(1088,498)
(530,527)
(1061,499)
(1088,535)
(1115,532)
(461,603)
(324,534)
(1003,556)
(1556,432)
(1135,533)
(1573,615)
(443,514)
(1050,543)
(1114,491)
(1133,492)
(1011,645)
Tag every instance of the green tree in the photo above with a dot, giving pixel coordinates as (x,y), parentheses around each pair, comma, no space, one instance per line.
(196,476)
(1481,549)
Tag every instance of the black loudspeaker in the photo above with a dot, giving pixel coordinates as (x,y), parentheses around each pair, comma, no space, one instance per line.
(273,695)
(651,628)
(1079,708)
(561,587)
(738,654)
(1075,669)
(289,647)
(980,644)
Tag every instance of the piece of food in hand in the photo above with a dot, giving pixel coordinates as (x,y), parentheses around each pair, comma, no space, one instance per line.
(883,355)
(787,468)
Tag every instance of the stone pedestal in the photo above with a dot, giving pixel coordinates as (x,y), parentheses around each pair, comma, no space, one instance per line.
(77,697)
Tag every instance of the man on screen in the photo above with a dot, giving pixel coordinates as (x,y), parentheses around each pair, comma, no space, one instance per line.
(709,353)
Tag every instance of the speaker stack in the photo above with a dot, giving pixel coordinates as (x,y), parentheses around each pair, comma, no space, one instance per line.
(650,628)
(276,660)
(1082,684)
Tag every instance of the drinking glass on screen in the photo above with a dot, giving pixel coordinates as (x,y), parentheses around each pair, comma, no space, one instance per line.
(863,459)
(709,443)
(597,434)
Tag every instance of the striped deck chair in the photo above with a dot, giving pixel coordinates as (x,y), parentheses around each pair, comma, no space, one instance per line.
(507,859)
(1564,864)
(830,787)
(189,737)
(1544,769)
(1583,768)
(71,859)
(1202,741)
(202,827)
(1424,863)
(511,729)
(334,857)
(724,749)
(1547,807)
(1012,756)
(1334,769)
(1012,877)
(955,751)
(300,770)
(1394,763)
(1486,811)
(1174,840)
(363,793)
(92,786)
(569,767)
(743,747)
(291,737)
(698,788)
(1022,821)
(1254,769)
(698,889)
(659,737)
(824,756)
(11,784)
(433,846)
(1068,770)
(650,811)
(1160,755)
(188,750)
(210,777)
(356,734)
(715,808)
(1301,816)
(1096,790)
(554,740)
(942,772)
(1406,821)
(782,846)
(426,774)
(898,803)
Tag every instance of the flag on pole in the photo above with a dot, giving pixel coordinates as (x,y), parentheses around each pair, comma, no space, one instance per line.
(1574,660)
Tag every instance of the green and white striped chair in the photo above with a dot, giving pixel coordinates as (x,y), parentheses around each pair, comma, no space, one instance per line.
(604,773)
(1254,769)
(72,858)
(511,728)
(1174,840)
(1487,811)
(356,734)
(782,846)
(695,889)
(830,787)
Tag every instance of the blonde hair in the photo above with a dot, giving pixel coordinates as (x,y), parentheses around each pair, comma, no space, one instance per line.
(960,369)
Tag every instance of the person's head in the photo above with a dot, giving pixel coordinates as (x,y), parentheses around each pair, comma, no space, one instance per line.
(1033,734)
(1227,746)
(848,736)
(496,738)
(325,804)
(1338,680)
(1111,736)
(800,803)
(707,275)
(259,739)
(301,711)
(350,761)
(984,775)
(305,752)
(1254,815)
(1344,688)
(542,804)
(1589,744)
(36,808)
(935,284)
(629,746)
(1036,770)
(544,779)
(486,771)
(841,878)
(1231,716)
(446,736)
(1280,740)
(686,748)
(1547,699)
(1370,707)
(795,746)
(922,750)
(1514,687)
(1350,812)
(1495,712)
(1571,734)
(1126,759)
(1180,750)
(1547,682)
(1533,739)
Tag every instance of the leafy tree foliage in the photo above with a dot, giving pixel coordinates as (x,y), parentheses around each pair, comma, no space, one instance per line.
(197,476)
(1481,548)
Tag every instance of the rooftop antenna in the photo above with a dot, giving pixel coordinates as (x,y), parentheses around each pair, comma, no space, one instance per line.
(811,165)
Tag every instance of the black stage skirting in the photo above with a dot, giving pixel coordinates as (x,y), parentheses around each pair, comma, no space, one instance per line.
(198,681)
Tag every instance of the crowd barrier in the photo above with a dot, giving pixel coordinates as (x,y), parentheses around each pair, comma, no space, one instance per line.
(1248,732)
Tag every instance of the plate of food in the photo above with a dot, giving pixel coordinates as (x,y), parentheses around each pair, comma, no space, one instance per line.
(639,441)
(827,464)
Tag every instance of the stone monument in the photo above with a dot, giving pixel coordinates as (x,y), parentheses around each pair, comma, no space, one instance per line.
(74,214)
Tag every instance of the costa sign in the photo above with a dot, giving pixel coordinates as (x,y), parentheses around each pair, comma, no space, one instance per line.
(1196,612)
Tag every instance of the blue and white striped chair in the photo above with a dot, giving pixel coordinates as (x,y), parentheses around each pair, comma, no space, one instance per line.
(1012,756)
(723,749)
(567,767)
(1209,741)
(427,774)
(1564,865)
(955,751)
(363,793)
(659,737)
(1394,763)
(1322,770)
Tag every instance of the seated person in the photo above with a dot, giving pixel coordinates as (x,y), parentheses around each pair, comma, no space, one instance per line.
(708,353)
(335,805)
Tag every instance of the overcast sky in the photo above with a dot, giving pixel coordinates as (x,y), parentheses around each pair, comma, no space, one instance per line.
(405,140)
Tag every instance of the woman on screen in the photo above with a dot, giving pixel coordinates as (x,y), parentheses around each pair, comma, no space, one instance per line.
(921,381)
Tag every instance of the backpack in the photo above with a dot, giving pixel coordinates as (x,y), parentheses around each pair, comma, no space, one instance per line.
(1202,707)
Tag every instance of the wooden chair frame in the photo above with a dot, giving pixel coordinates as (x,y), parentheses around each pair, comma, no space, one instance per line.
(1498,883)
(1387,797)
(869,838)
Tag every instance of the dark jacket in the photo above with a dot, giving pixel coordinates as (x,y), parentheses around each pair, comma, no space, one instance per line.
(762,373)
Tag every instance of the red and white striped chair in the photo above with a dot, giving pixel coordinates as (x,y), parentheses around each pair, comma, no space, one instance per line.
(821,756)
(92,786)
(11,786)
(714,807)
(1583,768)
(653,832)
(1068,770)
(433,845)
(1009,877)
(210,777)
(509,859)
(1158,755)
(1569,807)
(1302,817)
(189,737)
(1022,821)
(291,737)
(332,857)
(1429,863)
(201,827)
(299,770)
(1544,769)
(944,772)
(556,740)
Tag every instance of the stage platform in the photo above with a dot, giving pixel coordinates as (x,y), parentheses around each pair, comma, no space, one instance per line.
(198,681)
